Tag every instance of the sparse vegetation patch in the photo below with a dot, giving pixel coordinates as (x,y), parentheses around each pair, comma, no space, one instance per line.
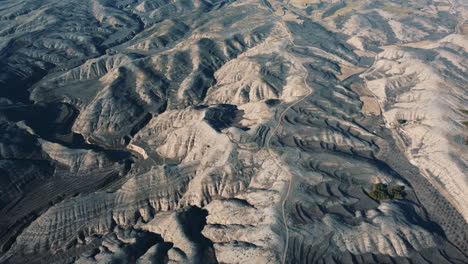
(380,191)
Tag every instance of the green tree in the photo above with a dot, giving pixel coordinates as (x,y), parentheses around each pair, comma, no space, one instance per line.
(380,191)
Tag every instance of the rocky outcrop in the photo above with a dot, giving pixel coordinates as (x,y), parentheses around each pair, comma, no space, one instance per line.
(421,102)
(231,132)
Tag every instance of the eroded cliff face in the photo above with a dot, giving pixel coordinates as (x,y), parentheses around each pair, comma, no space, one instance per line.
(423,102)
(232,131)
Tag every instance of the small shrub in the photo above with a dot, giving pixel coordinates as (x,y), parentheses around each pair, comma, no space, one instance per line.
(397,192)
(380,191)
(379,187)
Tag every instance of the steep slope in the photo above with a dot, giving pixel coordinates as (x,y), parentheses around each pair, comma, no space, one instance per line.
(186,131)
(422,101)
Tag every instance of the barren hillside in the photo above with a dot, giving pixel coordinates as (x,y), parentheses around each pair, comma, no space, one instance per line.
(237,131)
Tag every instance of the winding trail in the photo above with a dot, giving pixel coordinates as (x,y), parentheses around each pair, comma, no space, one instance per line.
(285,111)
(398,132)
(398,136)
(275,159)
(275,130)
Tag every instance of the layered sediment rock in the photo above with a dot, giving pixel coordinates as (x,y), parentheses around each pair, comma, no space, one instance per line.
(232,131)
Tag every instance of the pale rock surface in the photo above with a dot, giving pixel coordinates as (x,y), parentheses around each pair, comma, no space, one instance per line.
(189,131)
(428,99)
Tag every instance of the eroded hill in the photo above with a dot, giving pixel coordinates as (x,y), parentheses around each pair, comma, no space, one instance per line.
(189,131)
